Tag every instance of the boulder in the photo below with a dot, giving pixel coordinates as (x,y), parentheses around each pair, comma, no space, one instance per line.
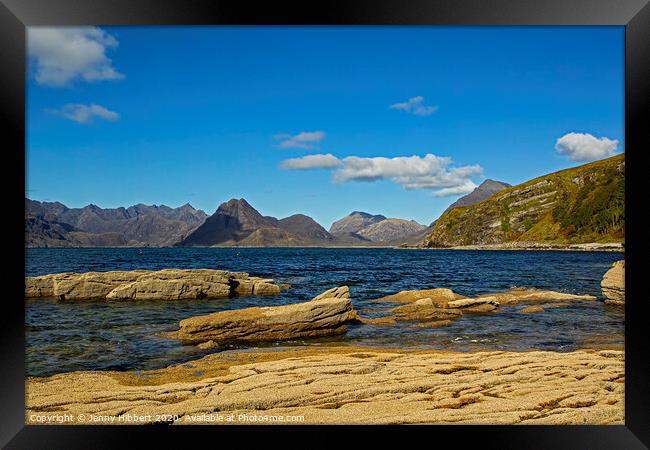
(613,284)
(531,309)
(167,284)
(325,315)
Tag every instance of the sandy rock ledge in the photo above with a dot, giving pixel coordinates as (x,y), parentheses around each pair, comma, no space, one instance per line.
(349,385)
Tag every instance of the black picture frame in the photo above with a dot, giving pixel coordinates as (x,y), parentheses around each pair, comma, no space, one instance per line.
(634,15)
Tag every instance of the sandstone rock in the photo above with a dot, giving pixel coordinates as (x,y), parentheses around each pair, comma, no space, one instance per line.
(480,308)
(439,296)
(337,292)
(613,284)
(615,302)
(353,385)
(531,309)
(440,306)
(167,284)
(207,345)
(424,311)
(91,285)
(517,295)
(424,302)
(325,315)
(472,302)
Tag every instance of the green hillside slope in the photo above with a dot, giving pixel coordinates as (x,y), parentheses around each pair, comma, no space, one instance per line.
(577,205)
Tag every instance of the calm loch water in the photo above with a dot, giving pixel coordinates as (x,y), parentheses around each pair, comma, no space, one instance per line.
(67,336)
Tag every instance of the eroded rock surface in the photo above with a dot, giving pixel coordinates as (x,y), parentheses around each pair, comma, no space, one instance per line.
(345,385)
(167,284)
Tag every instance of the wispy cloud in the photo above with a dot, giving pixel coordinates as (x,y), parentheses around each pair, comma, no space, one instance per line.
(327,161)
(307,140)
(416,106)
(84,113)
(585,147)
(65,54)
(432,172)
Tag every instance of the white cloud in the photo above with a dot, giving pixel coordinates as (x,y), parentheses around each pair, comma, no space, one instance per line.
(85,113)
(65,54)
(307,140)
(464,188)
(415,105)
(412,172)
(327,161)
(585,147)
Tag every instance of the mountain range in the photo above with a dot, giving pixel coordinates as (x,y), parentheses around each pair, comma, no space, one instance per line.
(237,223)
(581,204)
(52,224)
(234,223)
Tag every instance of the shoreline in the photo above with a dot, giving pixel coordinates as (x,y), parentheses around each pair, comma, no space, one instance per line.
(346,384)
(512,246)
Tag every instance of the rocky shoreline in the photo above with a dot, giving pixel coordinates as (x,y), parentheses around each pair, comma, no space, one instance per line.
(345,385)
(322,384)
(533,246)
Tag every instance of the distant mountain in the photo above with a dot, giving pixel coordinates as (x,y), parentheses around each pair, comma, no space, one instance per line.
(54,224)
(391,230)
(355,222)
(233,221)
(577,205)
(486,189)
(305,227)
(359,226)
(237,223)
(274,237)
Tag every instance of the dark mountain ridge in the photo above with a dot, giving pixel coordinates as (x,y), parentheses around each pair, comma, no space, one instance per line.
(54,224)
(236,222)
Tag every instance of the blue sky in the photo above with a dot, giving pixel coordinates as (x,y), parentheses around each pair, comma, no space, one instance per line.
(321,121)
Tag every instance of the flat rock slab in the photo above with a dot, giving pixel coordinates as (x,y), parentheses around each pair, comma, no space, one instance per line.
(167,284)
(349,385)
(325,315)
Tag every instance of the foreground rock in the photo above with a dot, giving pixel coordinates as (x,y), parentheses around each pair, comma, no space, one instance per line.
(345,385)
(613,284)
(325,315)
(167,284)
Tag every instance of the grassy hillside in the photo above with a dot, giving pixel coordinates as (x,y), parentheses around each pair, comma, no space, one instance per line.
(577,205)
